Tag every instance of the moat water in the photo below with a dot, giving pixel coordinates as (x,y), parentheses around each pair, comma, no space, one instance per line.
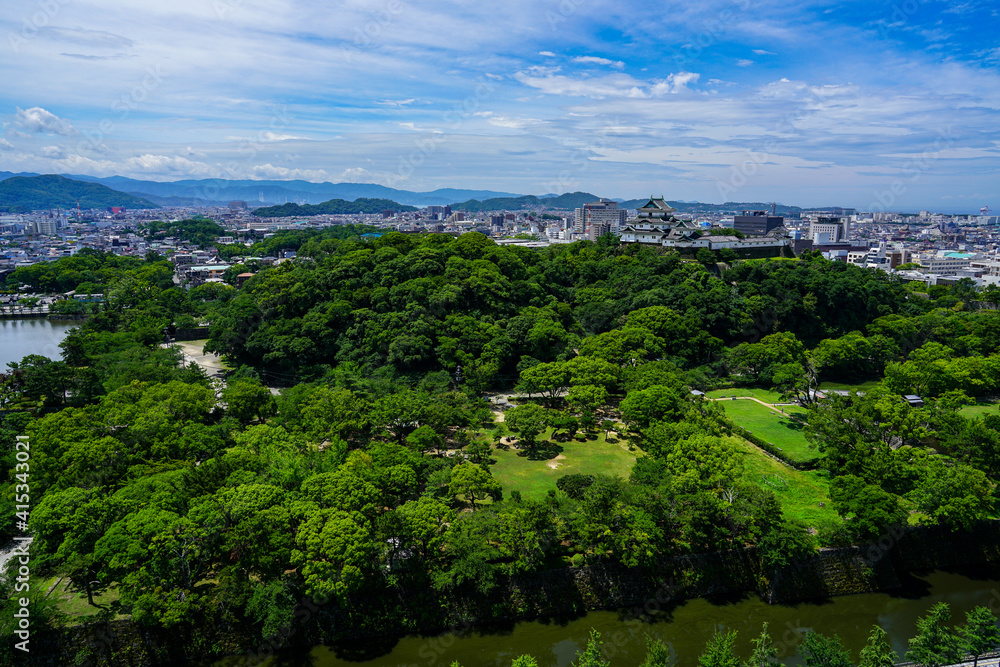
(19,338)
(685,627)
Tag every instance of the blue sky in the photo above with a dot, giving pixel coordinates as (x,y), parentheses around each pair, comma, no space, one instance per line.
(876,105)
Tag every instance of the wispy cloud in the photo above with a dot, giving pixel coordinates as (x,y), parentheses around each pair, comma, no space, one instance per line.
(511,94)
(596,60)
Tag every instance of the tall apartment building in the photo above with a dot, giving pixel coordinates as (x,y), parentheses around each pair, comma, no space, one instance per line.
(604,213)
(46,227)
(823,229)
(756,223)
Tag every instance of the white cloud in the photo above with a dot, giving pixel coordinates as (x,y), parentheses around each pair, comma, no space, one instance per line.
(37,120)
(94,38)
(743,62)
(167,164)
(595,60)
(762,52)
(277,136)
(52,152)
(674,83)
(501,120)
(265,172)
(6,145)
(547,54)
(398,103)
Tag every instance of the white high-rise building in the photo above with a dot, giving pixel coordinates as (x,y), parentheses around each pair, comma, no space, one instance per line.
(604,213)
(824,230)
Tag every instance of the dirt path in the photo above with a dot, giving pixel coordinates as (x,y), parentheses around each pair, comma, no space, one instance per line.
(192,351)
(773,407)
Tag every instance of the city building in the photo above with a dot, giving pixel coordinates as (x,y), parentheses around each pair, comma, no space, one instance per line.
(655,224)
(757,223)
(604,213)
(824,230)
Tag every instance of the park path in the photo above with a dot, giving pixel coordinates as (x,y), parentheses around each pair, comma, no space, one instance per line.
(770,406)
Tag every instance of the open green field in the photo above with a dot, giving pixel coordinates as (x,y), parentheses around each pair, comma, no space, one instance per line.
(863,386)
(782,431)
(534,478)
(765,395)
(74,603)
(979,409)
(800,493)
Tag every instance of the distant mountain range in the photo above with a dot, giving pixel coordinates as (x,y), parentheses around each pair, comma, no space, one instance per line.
(221,191)
(20,194)
(133,193)
(332,207)
(568,201)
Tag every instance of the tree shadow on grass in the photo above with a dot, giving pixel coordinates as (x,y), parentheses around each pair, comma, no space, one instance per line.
(792,424)
(544,451)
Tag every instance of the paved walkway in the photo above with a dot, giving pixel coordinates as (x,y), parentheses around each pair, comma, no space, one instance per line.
(192,350)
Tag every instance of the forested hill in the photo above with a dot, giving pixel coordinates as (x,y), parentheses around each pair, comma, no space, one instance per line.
(379,467)
(332,207)
(568,201)
(21,194)
(423,304)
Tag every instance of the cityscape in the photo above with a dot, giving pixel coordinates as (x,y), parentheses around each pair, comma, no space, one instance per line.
(562,333)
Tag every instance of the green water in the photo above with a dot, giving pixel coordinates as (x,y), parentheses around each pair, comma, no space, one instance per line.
(685,626)
(19,338)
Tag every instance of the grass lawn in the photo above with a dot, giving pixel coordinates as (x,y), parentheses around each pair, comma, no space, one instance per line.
(765,395)
(800,493)
(782,431)
(534,478)
(864,386)
(74,603)
(979,409)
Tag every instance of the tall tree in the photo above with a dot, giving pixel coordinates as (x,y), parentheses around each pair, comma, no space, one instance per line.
(980,634)
(822,651)
(936,644)
(720,651)
(765,653)
(878,652)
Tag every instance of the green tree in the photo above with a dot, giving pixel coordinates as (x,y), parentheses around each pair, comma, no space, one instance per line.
(980,634)
(524,661)
(591,656)
(248,400)
(658,654)
(424,439)
(335,550)
(472,482)
(822,651)
(868,509)
(643,407)
(528,421)
(765,653)
(877,652)
(720,651)
(936,643)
